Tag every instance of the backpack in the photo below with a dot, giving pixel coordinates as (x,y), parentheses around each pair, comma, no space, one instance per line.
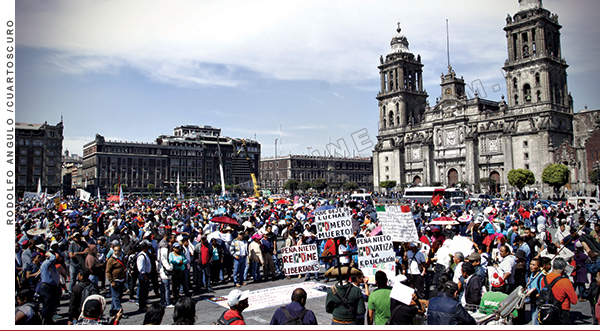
(549,308)
(291,320)
(344,299)
(132,264)
(222,322)
(89,289)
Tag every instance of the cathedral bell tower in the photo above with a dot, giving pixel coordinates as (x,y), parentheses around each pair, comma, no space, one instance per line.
(535,70)
(402,99)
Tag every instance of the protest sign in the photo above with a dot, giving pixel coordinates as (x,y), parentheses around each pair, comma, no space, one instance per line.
(376,253)
(84,195)
(399,224)
(300,259)
(332,223)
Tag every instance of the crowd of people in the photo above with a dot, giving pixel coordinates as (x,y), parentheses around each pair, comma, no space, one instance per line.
(179,249)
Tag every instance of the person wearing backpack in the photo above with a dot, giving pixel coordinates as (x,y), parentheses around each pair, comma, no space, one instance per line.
(28,312)
(83,289)
(238,302)
(344,300)
(295,313)
(559,293)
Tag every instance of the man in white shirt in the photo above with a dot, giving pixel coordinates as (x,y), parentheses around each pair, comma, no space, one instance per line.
(144,268)
(508,269)
(416,269)
(561,233)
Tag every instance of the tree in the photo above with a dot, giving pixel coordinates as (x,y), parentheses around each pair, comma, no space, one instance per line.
(436,183)
(350,186)
(217,189)
(291,185)
(319,184)
(556,175)
(150,188)
(304,186)
(520,177)
(464,184)
(487,182)
(116,187)
(594,176)
(387,184)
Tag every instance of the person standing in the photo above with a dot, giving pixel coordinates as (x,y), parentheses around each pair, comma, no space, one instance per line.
(295,310)
(165,270)
(144,268)
(238,302)
(344,300)
(416,269)
(444,309)
(50,290)
(116,273)
(256,257)
(507,266)
(379,301)
(239,252)
(204,255)
(562,290)
(178,261)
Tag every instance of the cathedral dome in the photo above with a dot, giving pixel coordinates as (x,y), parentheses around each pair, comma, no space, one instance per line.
(399,42)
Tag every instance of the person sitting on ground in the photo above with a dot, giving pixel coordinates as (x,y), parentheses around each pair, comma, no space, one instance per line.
(295,310)
(184,312)
(154,314)
(27,313)
(445,308)
(92,312)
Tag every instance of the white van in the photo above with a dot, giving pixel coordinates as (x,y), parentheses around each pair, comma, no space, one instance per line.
(361,197)
(588,202)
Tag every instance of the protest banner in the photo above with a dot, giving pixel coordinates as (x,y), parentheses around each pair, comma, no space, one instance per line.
(84,195)
(332,223)
(374,254)
(398,223)
(300,259)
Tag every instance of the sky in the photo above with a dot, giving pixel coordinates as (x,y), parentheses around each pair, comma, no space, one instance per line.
(302,72)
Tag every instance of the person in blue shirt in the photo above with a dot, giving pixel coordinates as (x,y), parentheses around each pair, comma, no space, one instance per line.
(50,290)
(294,309)
(534,286)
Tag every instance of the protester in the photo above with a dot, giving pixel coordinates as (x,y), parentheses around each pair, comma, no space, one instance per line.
(27,313)
(92,312)
(563,289)
(154,315)
(344,300)
(238,302)
(295,312)
(144,268)
(445,308)
(116,273)
(184,312)
(379,301)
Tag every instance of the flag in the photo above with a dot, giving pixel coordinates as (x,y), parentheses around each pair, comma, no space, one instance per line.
(98,192)
(436,200)
(178,192)
(121,200)
(39,188)
(405,209)
(84,195)
(44,196)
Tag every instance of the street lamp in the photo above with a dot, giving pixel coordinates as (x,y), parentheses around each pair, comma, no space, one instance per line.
(276,169)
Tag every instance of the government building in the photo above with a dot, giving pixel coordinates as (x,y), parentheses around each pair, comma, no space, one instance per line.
(462,139)
(190,155)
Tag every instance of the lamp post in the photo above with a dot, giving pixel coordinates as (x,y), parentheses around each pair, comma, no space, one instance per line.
(276,169)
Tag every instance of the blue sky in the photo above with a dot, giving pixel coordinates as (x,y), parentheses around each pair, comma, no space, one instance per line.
(303,72)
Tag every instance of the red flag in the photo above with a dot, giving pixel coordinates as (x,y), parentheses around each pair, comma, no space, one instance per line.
(436,200)
(405,209)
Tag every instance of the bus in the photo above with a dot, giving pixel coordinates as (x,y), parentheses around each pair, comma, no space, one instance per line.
(426,194)
(422,195)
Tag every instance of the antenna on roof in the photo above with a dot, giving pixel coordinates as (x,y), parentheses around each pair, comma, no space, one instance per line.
(448,43)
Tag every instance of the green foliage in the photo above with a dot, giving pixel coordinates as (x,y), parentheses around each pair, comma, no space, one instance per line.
(350,186)
(594,176)
(319,184)
(304,186)
(387,184)
(116,187)
(520,177)
(556,175)
(217,189)
(436,183)
(150,187)
(464,184)
(487,182)
(291,185)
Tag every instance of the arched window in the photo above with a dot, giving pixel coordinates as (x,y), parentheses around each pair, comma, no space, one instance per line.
(525,51)
(537,79)
(527,92)
(452,177)
(516,99)
(539,96)
(515,83)
(391,119)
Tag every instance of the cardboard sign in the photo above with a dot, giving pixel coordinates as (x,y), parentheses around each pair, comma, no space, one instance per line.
(301,259)
(388,268)
(374,254)
(333,223)
(398,224)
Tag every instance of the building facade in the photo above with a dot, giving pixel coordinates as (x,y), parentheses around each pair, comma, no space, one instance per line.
(191,155)
(462,139)
(38,157)
(336,171)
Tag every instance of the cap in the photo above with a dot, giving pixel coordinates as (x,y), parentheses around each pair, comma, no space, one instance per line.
(475,256)
(257,236)
(176,245)
(521,254)
(235,296)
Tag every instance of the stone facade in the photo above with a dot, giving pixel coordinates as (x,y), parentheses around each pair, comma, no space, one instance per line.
(466,139)
(38,157)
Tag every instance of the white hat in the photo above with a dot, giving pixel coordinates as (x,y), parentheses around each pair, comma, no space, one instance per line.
(235,296)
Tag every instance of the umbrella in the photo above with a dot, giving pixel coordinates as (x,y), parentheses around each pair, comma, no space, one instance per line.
(282,202)
(113,198)
(324,208)
(488,210)
(73,214)
(35,209)
(443,220)
(146,200)
(36,231)
(225,219)
(108,211)
(465,218)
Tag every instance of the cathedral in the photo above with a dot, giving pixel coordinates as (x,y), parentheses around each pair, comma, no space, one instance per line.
(463,140)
